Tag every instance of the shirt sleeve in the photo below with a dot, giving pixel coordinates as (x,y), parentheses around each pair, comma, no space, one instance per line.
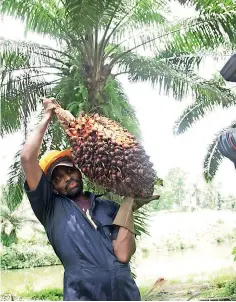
(105,214)
(115,229)
(41,199)
(227,144)
(114,208)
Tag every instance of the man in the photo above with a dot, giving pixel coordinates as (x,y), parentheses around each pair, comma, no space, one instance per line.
(93,238)
(227,144)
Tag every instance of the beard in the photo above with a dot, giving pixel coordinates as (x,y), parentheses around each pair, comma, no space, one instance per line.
(76,191)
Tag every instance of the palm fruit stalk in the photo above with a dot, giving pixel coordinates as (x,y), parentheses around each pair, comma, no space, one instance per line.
(108,154)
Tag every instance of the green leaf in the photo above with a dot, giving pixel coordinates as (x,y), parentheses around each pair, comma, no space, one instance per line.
(45,17)
(208,97)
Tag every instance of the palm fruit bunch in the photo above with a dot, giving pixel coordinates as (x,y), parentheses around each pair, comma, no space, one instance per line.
(108,154)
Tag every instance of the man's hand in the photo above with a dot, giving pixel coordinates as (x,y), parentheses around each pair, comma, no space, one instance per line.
(139,202)
(49,105)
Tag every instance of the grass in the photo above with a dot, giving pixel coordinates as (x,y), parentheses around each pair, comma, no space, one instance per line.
(222,286)
(57,295)
(45,294)
(221,289)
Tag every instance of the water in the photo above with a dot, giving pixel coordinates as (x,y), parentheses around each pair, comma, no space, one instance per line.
(19,280)
(200,263)
(198,233)
(197,264)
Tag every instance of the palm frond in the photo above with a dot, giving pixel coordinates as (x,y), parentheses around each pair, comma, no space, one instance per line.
(44,17)
(13,192)
(217,6)
(168,77)
(184,60)
(29,70)
(141,218)
(20,99)
(172,79)
(148,12)
(144,18)
(213,157)
(214,27)
(35,54)
(91,14)
(118,108)
(208,96)
(191,35)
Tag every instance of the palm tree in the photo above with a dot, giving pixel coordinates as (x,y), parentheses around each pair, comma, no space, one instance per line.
(96,42)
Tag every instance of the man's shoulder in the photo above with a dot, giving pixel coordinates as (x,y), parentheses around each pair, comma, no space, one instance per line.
(103,199)
(107,203)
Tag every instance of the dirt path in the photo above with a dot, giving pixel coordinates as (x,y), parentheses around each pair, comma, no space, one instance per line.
(164,291)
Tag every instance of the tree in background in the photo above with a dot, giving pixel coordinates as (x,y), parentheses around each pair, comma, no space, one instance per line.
(96,42)
(173,192)
(177,193)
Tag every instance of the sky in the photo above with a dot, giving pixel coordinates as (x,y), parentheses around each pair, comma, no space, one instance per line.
(157,114)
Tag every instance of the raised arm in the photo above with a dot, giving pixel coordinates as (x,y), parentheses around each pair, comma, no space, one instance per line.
(30,151)
(227,144)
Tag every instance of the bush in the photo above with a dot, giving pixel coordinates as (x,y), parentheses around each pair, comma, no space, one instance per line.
(221,289)
(230,288)
(25,256)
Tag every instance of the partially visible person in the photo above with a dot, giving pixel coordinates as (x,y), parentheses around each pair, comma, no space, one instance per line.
(227,144)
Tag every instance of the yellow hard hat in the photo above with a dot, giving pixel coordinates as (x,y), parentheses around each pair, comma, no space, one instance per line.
(53,158)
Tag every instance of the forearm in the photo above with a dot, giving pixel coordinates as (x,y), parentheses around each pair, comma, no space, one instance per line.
(124,246)
(33,143)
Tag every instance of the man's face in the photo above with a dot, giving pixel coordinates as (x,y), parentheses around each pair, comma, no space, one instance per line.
(67,181)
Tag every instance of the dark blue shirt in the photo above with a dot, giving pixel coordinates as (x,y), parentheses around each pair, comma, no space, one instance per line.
(92,271)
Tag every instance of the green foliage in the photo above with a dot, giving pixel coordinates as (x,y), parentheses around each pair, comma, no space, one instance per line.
(57,294)
(8,239)
(25,256)
(10,224)
(230,288)
(118,107)
(222,289)
(147,294)
(234,253)
(45,294)
(173,191)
